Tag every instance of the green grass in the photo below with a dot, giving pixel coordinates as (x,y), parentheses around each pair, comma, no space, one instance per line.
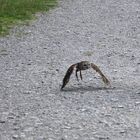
(15,11)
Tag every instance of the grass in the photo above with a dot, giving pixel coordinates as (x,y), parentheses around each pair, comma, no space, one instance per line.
(16,11)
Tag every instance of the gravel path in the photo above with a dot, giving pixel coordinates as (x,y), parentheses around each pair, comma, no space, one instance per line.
(34,59)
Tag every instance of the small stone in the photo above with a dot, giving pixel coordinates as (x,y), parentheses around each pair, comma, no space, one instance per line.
(138,103)
(120,106)
(123,131)
(16,128)
(2,121)
(11,117)
(68,31)
(27,92)
(108,115)
(3,52)
(114,99)
(103,138)
(15,137)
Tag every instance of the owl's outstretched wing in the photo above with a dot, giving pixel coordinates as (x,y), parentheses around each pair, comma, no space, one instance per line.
(96,68)
(67,75)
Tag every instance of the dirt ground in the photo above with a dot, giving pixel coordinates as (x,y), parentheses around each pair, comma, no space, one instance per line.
(33,62)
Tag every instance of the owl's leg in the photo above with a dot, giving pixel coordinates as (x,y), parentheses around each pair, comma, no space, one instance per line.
(77,74)
(81,75)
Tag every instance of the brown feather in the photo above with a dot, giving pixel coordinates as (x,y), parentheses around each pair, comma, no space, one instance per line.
(67,75)
(96,68)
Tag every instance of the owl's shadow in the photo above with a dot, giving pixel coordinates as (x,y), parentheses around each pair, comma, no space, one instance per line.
(86,88)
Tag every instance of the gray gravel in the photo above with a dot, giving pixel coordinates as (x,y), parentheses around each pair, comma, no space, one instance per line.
(34,59)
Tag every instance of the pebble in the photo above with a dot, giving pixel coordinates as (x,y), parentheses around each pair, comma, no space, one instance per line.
(120,106)
(2,121)
(114,99)
(27,92)
(15,137)
(137,103)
